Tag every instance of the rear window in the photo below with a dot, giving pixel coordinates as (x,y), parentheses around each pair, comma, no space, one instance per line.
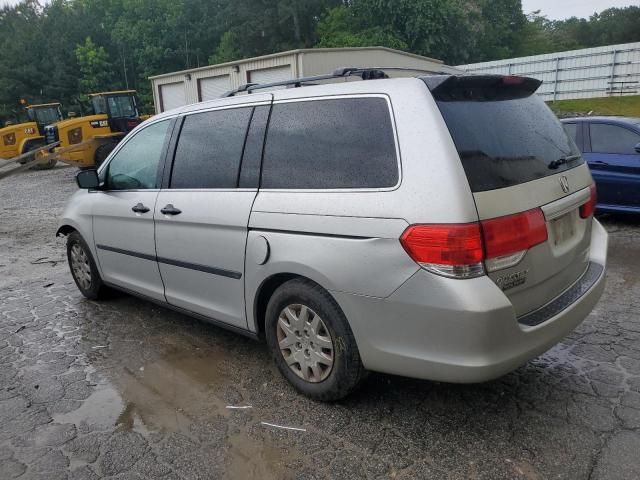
(330,144)
(506,141)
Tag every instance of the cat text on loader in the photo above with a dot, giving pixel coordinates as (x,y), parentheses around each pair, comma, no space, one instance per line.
(115,114)
(18,139)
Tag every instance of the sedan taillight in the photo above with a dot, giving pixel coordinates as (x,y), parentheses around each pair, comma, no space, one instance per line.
(588,208)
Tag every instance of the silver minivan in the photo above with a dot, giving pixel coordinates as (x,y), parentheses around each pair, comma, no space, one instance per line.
(438,227)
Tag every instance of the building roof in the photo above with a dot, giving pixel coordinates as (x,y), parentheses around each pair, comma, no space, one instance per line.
(292,52)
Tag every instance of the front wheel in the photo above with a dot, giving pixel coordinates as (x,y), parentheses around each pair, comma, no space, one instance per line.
(83,268)
(311,341)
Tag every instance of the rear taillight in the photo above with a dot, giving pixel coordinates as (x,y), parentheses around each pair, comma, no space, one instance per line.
(459,250)
(588,208)
(452,250)
(507,239)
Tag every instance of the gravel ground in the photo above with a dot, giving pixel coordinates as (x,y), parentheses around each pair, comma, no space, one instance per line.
(127,390)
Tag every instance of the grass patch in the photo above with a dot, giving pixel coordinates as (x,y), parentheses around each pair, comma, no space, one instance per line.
(623,106)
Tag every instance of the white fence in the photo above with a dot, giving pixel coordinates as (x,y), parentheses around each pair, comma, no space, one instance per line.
(591,72)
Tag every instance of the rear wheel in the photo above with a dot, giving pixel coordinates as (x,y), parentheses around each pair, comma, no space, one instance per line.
(311,342)
(83,268)
(34,145)
(102,152)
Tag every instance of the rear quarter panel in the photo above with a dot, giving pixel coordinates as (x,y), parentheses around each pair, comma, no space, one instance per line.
(348,241)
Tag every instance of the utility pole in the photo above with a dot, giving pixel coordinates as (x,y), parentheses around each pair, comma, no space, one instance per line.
(124,68)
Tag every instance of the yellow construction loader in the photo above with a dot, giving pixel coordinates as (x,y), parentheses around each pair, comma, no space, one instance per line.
(115,114)
(21,138)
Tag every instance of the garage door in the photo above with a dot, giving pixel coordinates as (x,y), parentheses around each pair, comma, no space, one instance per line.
(269,75)
(172,96)
(213,87)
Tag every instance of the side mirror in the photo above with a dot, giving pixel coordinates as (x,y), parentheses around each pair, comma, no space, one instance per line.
(88,179)
(637,148)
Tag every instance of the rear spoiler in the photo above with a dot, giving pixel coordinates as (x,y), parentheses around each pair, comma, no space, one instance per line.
(480,87)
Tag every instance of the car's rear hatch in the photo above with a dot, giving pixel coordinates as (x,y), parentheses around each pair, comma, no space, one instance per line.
(529,181)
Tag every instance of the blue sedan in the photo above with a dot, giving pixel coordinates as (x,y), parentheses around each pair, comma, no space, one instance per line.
(611,147)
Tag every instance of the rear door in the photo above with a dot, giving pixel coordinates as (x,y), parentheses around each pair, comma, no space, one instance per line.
(615,164)
(202,211)
(527,175)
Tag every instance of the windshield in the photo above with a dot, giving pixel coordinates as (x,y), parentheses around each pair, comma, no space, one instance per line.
(507,142)
(45,115)
(99,105)
(122,106)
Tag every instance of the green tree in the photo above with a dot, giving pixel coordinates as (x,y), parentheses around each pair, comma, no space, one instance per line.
(503,25)
(535,36)
(616,25)
(227,49)
(341,28)
(446,29)
(95,69)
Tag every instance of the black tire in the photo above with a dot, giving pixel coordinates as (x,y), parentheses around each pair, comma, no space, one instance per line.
(30,145)
(102,152)
(347,371)
(45,166)
(95,290)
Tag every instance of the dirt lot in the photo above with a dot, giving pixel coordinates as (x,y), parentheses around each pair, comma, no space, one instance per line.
(127,390)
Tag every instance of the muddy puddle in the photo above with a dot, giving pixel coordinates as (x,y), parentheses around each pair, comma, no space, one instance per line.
(178,391)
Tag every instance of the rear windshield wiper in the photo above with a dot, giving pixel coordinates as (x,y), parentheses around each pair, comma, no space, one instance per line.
(553,165)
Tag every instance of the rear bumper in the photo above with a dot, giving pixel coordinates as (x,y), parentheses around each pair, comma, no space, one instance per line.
(461,331)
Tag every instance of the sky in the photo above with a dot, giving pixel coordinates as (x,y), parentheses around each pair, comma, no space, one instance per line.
(553,9)
(561,9)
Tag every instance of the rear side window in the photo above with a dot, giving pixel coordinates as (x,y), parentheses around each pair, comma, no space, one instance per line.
(506,140)
(613,139)
(330,144)
(209,149)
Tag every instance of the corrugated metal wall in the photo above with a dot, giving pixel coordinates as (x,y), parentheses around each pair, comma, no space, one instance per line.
(320,61)
(591,72)
(305,62)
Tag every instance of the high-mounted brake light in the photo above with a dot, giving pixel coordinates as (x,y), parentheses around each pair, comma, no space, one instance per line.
(513,80)
(588,208)
(465,250)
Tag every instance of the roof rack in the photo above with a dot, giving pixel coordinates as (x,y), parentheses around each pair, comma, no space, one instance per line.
(368,73)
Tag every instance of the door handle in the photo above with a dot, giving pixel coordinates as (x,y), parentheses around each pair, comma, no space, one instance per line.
(170,210)
(599,162)
(140,208)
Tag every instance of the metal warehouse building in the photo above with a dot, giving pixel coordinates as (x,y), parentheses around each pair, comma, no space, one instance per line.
(173,90)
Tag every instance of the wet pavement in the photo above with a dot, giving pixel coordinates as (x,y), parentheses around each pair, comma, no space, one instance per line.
(124,389)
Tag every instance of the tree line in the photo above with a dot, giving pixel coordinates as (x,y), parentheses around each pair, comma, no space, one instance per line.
(62,49)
